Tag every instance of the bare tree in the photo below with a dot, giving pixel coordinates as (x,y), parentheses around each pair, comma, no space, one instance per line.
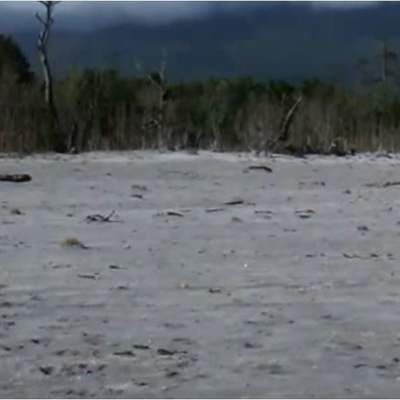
(381,67)
(159,81)
(42,45)
(381,73)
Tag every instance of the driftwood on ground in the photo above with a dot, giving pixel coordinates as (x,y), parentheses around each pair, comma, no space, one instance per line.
(17,178)
(101,218)
(259,167)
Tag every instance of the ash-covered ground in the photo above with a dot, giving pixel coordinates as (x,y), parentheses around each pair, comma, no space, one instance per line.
(210,279)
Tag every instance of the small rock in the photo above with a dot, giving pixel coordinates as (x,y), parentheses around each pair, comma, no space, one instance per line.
(142,188)
(359,365)
(16,211)
(171,374)
(165,352)
(46,370)
(113,266)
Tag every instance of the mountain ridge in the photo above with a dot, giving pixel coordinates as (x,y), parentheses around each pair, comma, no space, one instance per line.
(284,41)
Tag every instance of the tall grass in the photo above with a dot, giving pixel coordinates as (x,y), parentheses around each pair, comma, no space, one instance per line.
(99,110)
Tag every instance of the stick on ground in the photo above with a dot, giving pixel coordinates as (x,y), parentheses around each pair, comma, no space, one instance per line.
(17,178)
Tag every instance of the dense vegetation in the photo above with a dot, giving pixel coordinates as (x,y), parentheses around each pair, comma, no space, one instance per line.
(100,109)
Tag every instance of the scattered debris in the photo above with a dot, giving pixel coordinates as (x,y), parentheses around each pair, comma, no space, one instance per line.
(58,266)
(165,352)
(171,374)
(46,370)
(73,242)
(16,178)
(174,214)
(101,218)
(371,255)
(214,290)
(142,188)
(267,212)
(259,168)
(122,287)
(213,210)
(124,353)
(388,184)
(304,214)
(350,256)
(141,347)
(183,285)
(170,213)
(113,266)
(234,202)
(383,185)
(384,154)
(16,211)
(87,276)
(359,365)
(250,345)
(140,383)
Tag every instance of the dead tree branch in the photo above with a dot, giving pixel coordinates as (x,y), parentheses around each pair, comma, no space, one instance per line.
(159,81)
(42,44)
(285,125)
(17,178)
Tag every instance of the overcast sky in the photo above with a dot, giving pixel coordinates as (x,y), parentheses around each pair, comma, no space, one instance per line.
(17,16)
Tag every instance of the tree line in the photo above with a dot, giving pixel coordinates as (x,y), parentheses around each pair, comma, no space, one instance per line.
(98,109)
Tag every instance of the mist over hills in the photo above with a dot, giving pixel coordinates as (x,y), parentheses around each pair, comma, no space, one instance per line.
(292,41)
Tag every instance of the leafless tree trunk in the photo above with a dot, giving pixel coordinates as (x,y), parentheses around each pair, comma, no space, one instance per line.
(159,81)
(47,21)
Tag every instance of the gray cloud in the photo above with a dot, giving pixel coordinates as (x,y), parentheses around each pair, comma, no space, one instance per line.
(19,16)
(16,16)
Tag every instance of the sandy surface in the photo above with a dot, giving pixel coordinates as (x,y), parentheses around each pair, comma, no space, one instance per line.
(294,292)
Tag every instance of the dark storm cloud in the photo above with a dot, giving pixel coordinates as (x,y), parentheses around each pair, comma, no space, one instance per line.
(19,16)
